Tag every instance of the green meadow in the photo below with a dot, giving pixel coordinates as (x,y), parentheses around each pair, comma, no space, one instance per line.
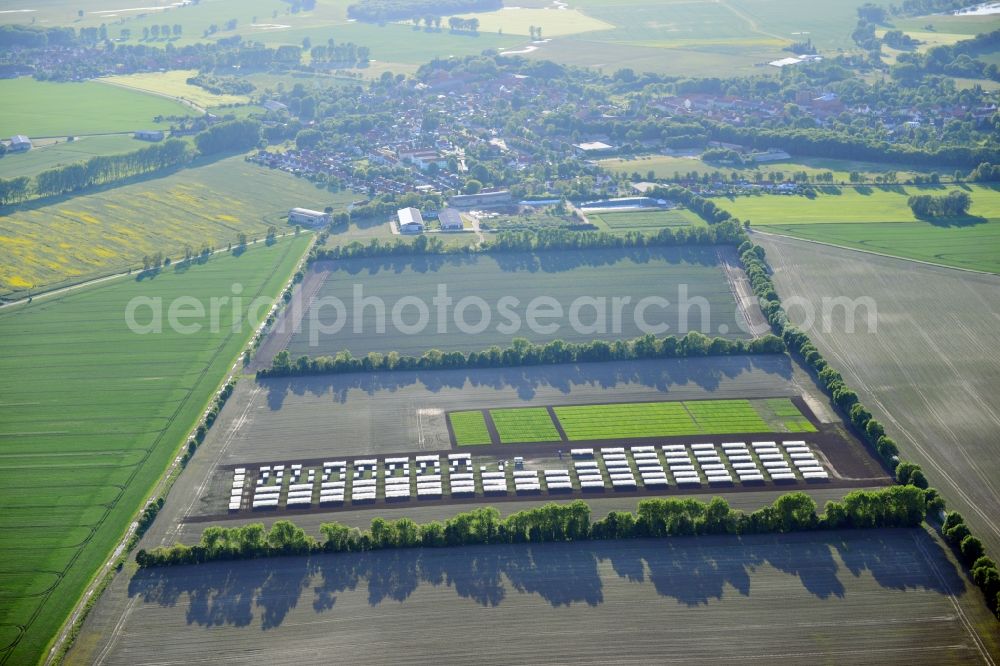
(78,108)
(879,220)
(91,414)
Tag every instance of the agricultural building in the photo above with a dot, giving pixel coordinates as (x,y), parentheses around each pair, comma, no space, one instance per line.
(451,219)
(410,221)
(19,144)
(312,218)
(496,199)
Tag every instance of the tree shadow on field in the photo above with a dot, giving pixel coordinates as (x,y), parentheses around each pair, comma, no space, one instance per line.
(663,375)
(959,221)
(694,571)
(528,262)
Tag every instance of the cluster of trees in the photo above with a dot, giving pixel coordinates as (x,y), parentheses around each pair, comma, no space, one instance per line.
(521,352)
(844,145)
(899,506)
(957,59)
(459,24)
(699,205)
(98,170)
(30,37)
(899,40)
(230,136)
(222,85)
(339,54)
(726,156)
(985,173)
(384,11)
(971,551)
(928,206)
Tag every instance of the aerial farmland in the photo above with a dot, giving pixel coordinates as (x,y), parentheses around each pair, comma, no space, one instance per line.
(556,332)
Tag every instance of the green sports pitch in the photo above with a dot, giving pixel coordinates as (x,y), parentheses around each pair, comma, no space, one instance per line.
(636,420)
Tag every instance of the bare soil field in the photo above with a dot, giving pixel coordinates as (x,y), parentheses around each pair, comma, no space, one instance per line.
(877,597)
(399,412)
(374,304)
(931,370)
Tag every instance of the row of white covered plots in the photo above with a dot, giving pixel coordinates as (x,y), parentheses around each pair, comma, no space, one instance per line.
(434,476)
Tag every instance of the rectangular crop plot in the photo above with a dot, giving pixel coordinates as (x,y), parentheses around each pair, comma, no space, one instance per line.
(650,419)
(531,424)
(470,428)
(675,419)
(371,291)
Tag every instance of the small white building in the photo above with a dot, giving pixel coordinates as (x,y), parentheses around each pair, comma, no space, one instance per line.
(451,220)
(593,148)
(410,221)
(309,218)
(19,144)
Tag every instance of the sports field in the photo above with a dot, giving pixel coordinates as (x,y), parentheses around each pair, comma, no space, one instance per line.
(856,596)
(78,108)
(559,278)
(878,219)
(91,414)
(52,243)
(645,221)
(623,420)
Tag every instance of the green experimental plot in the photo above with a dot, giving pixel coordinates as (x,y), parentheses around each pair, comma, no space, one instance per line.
(528,424)
(92,413)
(470,428)
(631,420)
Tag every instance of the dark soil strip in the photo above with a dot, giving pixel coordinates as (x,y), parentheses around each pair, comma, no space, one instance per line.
(559,428)
(491,427)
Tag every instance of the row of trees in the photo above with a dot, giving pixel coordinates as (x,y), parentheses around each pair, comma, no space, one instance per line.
(229,136)
(521,352)
(699,205)
(898,506)
(104,169)
(539,240)
(928,206)
(99,170)
(971,551)
(384,11)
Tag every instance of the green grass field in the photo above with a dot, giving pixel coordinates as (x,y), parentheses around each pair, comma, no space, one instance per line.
(645,221)
(78,108)
(683,38)
(878,219)
(666,166)
(92,413)
(50,154)
(525,424)
(174,84)
(638,419)
(52,243)
(470,428)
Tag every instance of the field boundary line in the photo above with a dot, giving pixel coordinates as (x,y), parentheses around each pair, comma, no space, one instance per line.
(873,252)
